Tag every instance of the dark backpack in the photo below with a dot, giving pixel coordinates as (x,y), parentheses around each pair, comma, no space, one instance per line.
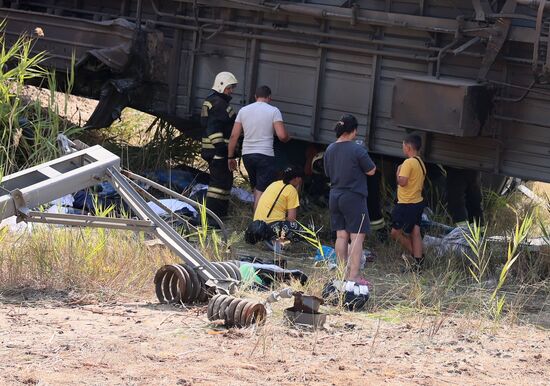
(258,230)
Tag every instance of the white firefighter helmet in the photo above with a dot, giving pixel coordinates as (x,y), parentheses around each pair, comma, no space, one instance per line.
(224,79)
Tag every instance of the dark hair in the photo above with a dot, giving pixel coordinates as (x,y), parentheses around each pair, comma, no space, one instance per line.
(346,124)
(292,172)
(414,140)
(263,92)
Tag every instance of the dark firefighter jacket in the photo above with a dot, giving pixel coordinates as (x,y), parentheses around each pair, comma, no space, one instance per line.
(217,118)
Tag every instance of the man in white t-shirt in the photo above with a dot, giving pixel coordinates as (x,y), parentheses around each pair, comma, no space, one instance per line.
(259,121)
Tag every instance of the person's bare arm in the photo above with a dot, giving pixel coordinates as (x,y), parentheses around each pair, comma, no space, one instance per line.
(291,214)
(371,172)
(401,181)
(281,132)
(235,134)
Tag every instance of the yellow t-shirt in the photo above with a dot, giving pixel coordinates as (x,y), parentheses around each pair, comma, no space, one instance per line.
(287,200)
(412,192)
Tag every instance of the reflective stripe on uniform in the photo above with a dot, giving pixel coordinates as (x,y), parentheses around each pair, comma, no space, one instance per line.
(207,144)
(230,111)
(205,107)
(377,224)
(218,156)
(216,138)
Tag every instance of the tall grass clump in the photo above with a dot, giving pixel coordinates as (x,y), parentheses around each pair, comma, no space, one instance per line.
(210,243)
(520,233)
(28,132)
(477,256)
(17,66)
(45,124)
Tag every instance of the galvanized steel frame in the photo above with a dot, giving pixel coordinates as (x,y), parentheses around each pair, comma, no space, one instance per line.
(41,184)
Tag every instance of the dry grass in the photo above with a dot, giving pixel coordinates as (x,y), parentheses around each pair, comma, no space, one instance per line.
(87,260)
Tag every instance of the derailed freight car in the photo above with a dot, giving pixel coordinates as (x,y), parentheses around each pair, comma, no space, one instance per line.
(469,74)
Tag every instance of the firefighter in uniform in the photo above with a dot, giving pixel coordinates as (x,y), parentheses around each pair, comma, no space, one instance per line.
(217,118)
(464,197)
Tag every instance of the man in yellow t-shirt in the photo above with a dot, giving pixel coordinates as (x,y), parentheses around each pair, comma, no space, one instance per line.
(407,213)
(279,203)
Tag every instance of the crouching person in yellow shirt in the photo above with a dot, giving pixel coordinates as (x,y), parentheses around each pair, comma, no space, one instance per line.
(279,204)
(407,213)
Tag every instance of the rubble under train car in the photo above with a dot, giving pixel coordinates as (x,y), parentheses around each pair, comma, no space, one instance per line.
(470,76)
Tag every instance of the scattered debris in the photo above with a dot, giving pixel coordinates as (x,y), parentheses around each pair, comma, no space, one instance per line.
(306,311)
(172,204)
(455,242)
(269,273)
(199,192)
(286,293)
(179,283)
(236,312)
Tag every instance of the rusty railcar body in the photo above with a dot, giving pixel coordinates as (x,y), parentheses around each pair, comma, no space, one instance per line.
(469,74)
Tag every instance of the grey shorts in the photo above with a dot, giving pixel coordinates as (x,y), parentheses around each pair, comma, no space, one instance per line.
(348,211)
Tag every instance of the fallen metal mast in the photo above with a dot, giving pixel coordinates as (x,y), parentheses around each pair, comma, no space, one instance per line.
(30,188)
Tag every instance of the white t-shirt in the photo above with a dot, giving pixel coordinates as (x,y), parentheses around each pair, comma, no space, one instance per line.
(257,119)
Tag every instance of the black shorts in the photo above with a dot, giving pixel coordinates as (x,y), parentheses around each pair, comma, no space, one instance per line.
(348,211)
(406,216)
(260,169)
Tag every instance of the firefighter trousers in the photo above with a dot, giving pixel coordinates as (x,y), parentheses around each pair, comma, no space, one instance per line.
(374,203)
(219,187)
(464,197)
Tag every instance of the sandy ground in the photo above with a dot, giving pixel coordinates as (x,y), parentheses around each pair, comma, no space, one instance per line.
(58,340)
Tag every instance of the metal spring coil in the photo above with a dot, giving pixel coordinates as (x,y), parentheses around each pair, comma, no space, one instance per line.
(179,283)
(236,312)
